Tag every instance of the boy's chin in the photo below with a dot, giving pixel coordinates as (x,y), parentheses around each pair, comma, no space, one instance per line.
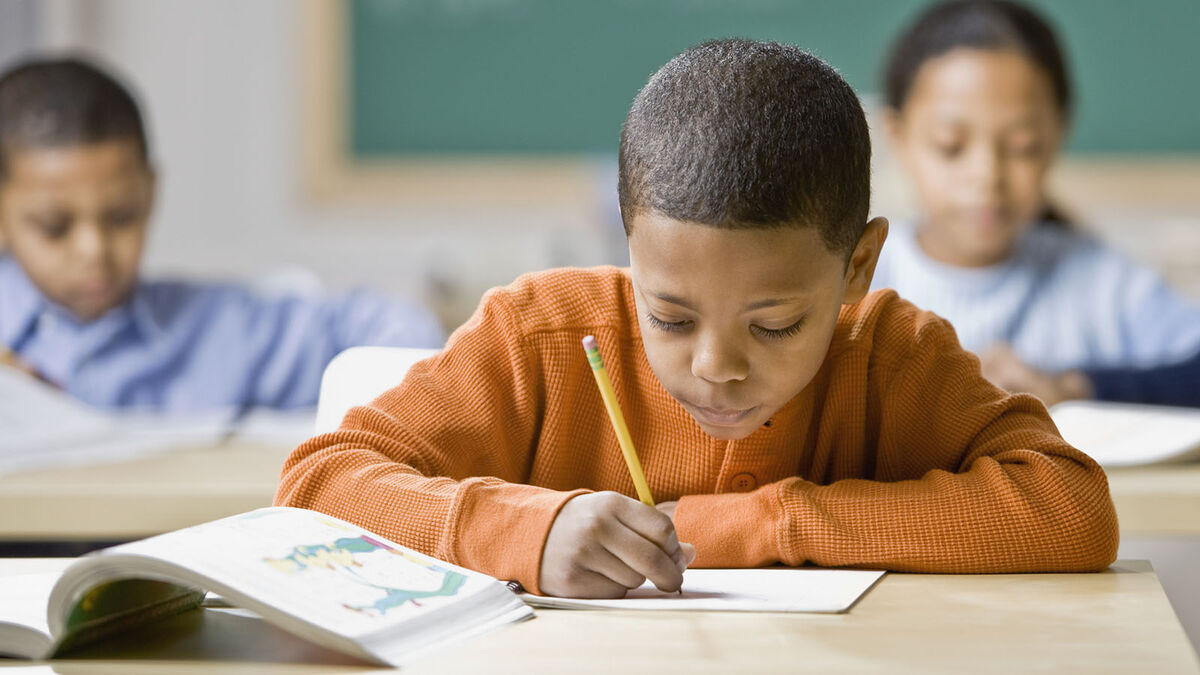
(87,312)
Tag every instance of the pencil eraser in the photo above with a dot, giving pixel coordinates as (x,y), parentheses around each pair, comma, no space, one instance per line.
(589,343)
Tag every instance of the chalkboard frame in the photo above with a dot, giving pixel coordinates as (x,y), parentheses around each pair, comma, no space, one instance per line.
(333,174)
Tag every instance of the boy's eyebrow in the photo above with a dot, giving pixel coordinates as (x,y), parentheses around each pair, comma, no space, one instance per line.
(771,302)
(667,297)
(761,304)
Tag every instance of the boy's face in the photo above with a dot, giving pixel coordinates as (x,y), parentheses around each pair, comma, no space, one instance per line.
(75,219)
(735,323)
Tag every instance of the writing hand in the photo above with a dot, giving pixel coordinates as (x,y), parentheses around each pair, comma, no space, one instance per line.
(603,544)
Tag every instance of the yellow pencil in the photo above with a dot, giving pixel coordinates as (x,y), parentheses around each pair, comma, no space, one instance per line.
(617,419)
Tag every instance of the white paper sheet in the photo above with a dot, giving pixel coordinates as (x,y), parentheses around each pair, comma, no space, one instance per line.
(41,427)
(771,589)
(1124,434)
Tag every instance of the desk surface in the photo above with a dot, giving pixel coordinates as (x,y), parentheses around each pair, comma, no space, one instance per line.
(165,492)
(1117,621)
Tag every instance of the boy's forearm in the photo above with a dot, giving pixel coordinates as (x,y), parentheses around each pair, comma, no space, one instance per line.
(485,524)
(1038,513)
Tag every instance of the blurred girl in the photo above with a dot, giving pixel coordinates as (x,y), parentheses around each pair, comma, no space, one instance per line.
(978,104)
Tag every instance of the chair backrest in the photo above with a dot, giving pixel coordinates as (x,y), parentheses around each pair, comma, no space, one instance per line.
(357,376)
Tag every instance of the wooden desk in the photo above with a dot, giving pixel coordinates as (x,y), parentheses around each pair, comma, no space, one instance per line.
(165,492)
(1117,621)
(1159,511)
(1157,500)
(137,498)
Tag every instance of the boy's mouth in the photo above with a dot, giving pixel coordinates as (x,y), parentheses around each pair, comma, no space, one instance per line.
(722,417)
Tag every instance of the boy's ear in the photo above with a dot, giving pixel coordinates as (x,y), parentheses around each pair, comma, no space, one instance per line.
(861,267)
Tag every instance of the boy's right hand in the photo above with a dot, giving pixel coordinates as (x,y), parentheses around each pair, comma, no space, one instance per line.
(604,543)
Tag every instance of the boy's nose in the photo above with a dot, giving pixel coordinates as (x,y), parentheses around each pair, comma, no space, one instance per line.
(91,241)
(719,361)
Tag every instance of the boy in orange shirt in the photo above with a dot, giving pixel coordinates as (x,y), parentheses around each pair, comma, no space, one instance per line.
(782,414)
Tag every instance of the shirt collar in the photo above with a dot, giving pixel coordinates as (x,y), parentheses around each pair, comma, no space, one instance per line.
(20,302)
(141,312)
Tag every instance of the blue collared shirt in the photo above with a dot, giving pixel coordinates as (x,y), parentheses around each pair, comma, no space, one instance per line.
(189,347)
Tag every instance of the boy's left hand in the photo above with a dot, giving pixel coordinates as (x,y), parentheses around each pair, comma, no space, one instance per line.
(1001,366)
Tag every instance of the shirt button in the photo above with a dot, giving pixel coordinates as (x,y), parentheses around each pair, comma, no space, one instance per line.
(744,482)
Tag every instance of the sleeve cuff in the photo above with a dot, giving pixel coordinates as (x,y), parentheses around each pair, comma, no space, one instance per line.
(501,529)
(732,530)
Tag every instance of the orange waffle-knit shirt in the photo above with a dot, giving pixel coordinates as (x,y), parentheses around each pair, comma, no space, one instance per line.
(898,455)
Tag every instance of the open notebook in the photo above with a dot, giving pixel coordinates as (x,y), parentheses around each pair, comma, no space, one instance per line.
(1126,434)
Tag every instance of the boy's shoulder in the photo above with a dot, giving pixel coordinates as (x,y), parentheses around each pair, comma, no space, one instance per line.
(889,326)
(566,298)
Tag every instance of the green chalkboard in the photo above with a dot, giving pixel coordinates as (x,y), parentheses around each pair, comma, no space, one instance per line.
(539,77)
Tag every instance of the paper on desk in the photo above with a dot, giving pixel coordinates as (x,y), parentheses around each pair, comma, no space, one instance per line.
(1129,434)
(41,427)
(771,589)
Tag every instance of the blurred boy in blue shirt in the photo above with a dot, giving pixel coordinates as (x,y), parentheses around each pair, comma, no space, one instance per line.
(76,191)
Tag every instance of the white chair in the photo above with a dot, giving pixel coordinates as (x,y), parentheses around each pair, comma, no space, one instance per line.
(357,376)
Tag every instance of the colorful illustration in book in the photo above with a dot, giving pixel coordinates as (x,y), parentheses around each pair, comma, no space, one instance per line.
(370,563)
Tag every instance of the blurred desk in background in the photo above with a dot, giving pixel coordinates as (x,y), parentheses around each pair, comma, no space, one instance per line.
(141,497)
(1163,499)
(1158,508)
(167,491)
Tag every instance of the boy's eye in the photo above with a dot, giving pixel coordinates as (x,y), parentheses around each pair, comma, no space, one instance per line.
(779,333)
(668,326)
(53,227)
(121,217)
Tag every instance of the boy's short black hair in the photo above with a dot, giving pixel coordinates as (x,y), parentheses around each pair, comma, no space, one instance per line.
(741,134)
(61,102)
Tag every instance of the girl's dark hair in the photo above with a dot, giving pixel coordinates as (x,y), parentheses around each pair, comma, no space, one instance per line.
(979,24)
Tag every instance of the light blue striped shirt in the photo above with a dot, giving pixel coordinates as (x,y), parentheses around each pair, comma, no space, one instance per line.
(190,347)
(1063,301)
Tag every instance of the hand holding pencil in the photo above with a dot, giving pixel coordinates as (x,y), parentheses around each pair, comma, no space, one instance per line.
(604,543)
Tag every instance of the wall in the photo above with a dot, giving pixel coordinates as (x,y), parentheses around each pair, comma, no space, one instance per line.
(222,83)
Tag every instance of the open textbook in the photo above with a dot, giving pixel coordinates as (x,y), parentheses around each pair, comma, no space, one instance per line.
(312,575)
(769,589)
(43,427)
(1127,434)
